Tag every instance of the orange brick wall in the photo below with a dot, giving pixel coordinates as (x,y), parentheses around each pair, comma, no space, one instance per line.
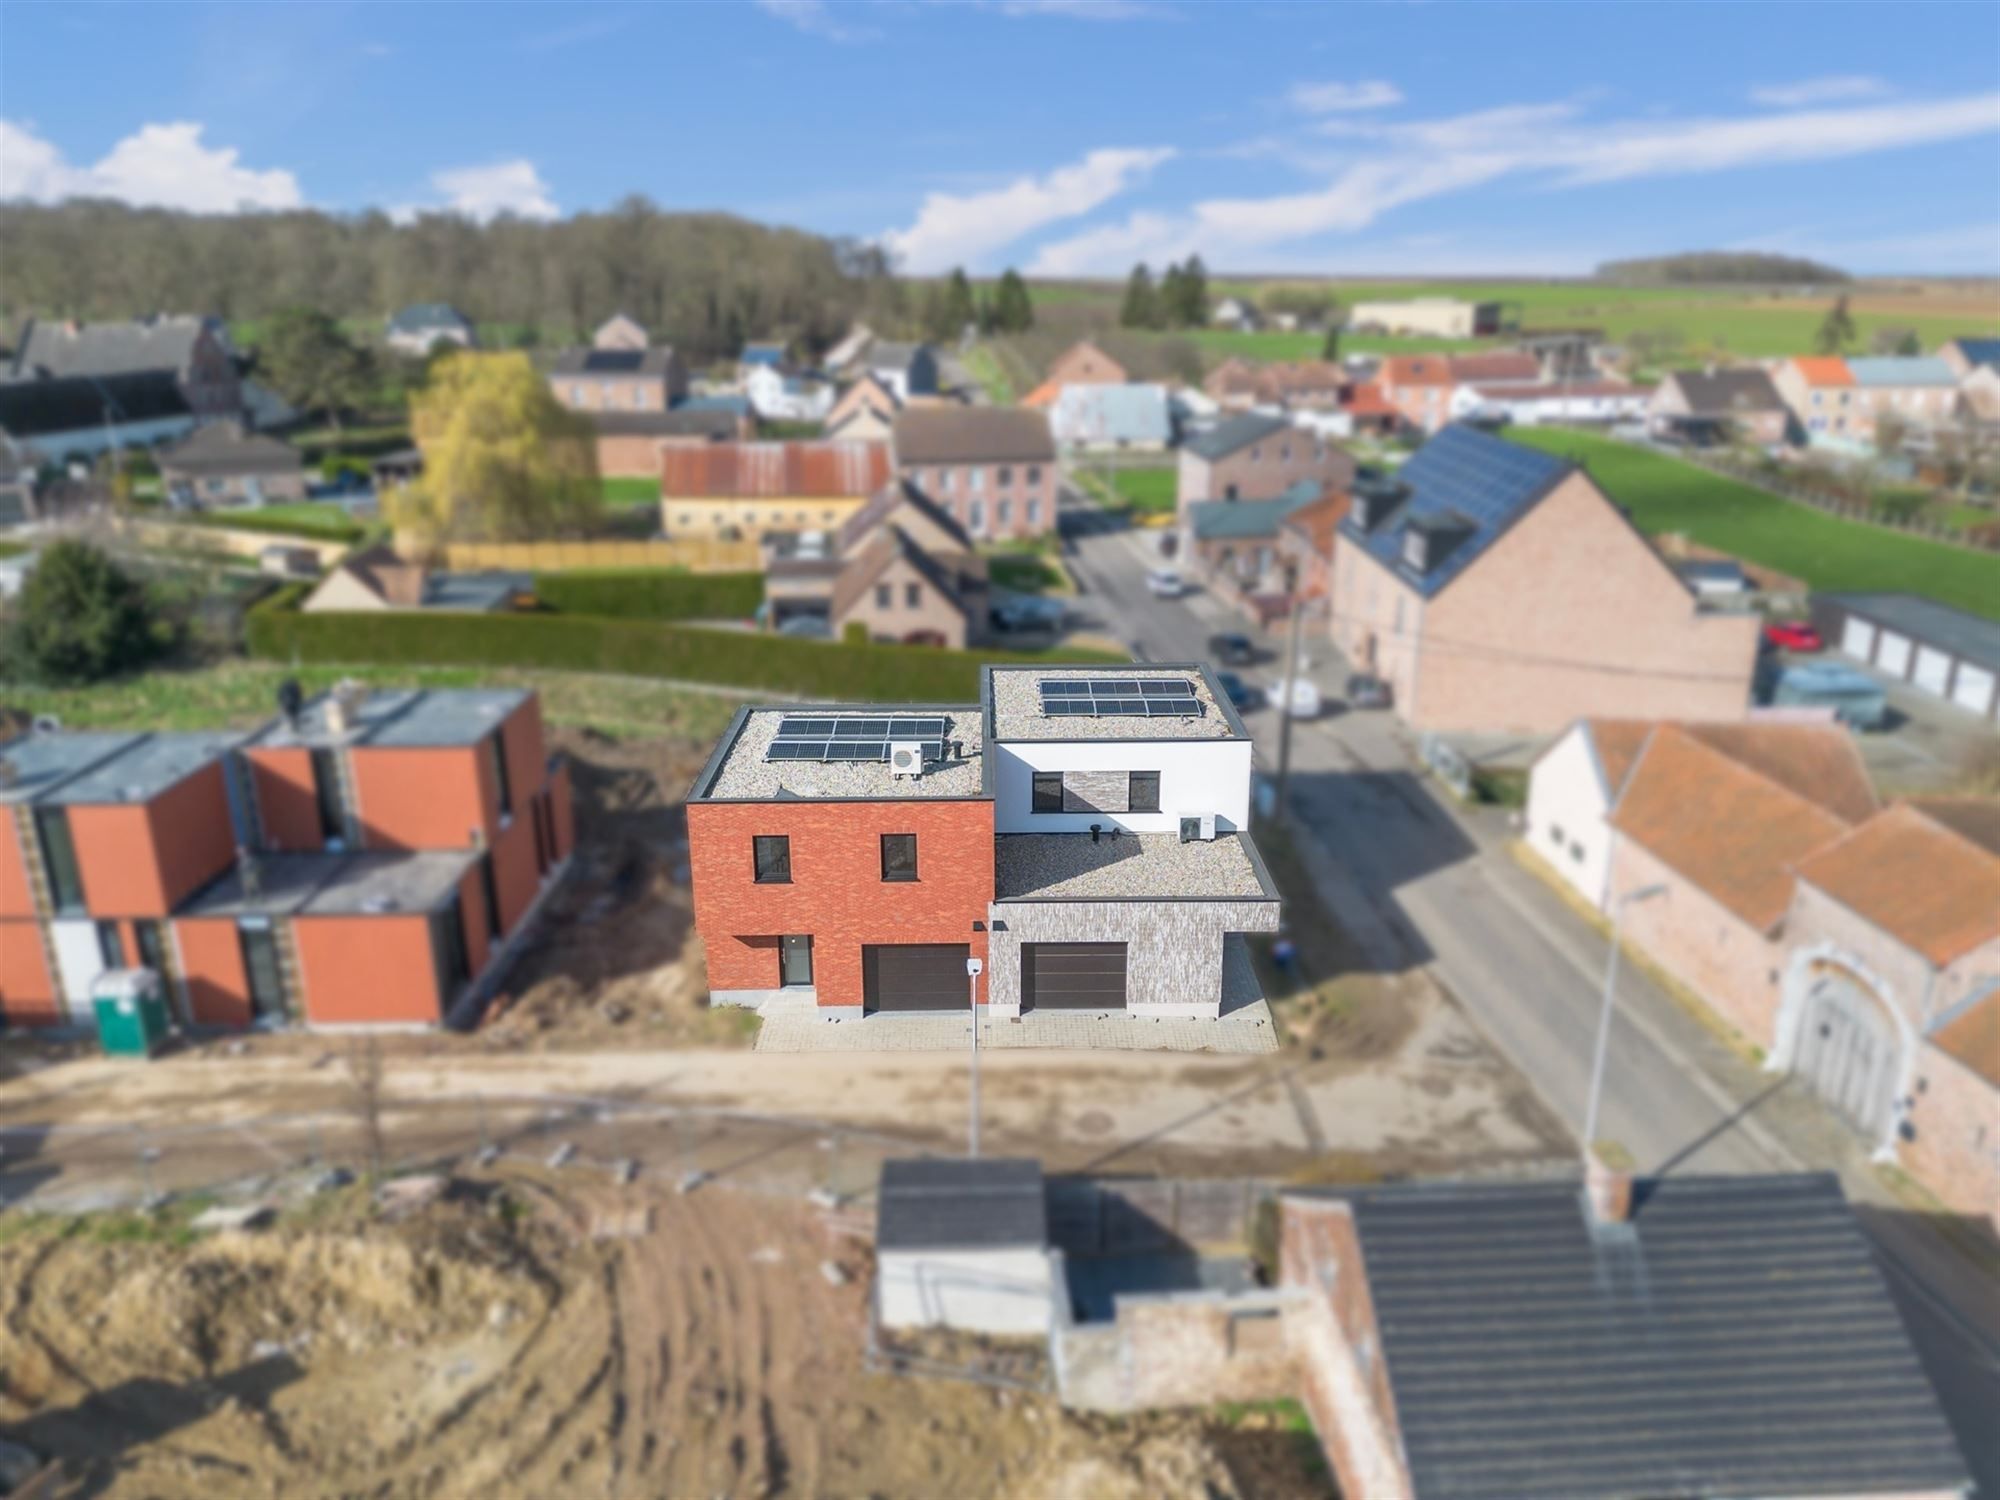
(211,956)
(16,898)
(144,860)
(421,799)
(287,804)
(1702,943)
(367,969)
(27,990)
(837,893)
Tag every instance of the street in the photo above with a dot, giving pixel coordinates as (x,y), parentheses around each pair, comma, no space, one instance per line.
(1419,884)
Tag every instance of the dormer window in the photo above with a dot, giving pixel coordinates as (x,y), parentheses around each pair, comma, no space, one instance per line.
(1416,549)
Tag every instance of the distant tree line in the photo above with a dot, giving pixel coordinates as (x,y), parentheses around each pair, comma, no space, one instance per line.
(1179,300)
(950,306)
(705,282)
(1721,266)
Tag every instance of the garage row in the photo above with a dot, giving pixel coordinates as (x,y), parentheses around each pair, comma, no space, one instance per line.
(1939,650)
(918,977)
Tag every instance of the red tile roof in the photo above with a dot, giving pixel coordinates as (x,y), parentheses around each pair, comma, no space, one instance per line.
(1414,369)
(1824,369)
(1929,886)
(1499,366)
(1368,401)
(1973,1036)
(1618,743)
(748,471)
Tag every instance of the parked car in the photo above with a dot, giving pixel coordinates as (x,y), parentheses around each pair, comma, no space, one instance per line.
(1241,695)
(1026,612)
(1166,582)
(1792,635)
(1304,703)
(1365,690)
(1233,647)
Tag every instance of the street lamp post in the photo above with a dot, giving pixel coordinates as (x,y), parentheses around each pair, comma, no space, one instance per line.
(972,968)
(1618,905)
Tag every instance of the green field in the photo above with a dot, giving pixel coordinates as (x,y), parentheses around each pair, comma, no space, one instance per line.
(316,520)
(1147,490)
(1664,494)
(631,490)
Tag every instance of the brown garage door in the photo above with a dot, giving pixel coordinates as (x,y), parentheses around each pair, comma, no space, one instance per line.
(1073,976)
(914,976)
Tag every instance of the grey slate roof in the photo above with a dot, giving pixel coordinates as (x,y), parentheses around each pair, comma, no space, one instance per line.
(1734,1339)
(1237,432)
(886,501)
(1979,351)
(1247,520)
(118,348)
(713,422)
(1722,393)
(224,448)
(1929,623)
(421,317)
(972,435)
(36,408)
(943,1204)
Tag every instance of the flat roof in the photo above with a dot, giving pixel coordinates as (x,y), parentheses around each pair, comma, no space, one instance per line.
(150,765)
(400,718)
(368,883)
(1127,867)
(42,762)
(934,1203)
(1016,698)
(738,771)
(279,886)
(1930,622)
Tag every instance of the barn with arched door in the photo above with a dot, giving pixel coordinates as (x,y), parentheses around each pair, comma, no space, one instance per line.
(1847,1051)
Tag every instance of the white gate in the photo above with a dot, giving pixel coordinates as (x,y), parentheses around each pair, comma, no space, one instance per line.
(1893,655)
(1933,670)
(1847,1053)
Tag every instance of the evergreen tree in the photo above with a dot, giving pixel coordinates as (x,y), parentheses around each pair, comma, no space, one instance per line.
(1142,305)
(1837,332)
(1173,296)
(1330,350)
(959,303)
(1013,311)
(1192,311)
(80,617)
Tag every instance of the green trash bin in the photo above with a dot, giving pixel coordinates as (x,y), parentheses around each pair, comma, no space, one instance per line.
(131,1012)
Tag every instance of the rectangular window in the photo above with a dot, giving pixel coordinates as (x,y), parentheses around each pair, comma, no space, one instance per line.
(913,595)
(1048,796)
(1034,512)
(883,594)
(899,856)
(975,479)
(326,792)
(262,972)
(59,854)
(490,888)
(152,946)
(1006,475)
(1142,792)
(1034,473)
(1004,513)
(500,777)
(773,854)
(110,946)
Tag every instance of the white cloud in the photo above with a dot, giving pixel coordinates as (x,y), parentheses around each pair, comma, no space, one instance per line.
(1829,90)
(1332,98)
(814,17)
(157,166)
(486,192)
(1390,165)
(962,228)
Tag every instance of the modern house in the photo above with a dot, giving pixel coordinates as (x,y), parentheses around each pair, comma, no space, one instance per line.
(424,326)
(78,417)
(992,467)
(749,489)
(1431,569)
(782,393)
(602,380)
(1432,317)
(378,579)
(1819,390)
(220,463)
(1937,649)
(1082,831)
(1714,405)
(361,860)
(906,369)
(1729,1338)
(1085,364)
(1096,418)
(192,353)
(1256,457)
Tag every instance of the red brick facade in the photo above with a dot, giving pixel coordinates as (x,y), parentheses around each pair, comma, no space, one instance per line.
(836,893)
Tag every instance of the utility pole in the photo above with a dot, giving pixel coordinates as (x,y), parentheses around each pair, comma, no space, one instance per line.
(1285,701)
(972,968)
(1644,893)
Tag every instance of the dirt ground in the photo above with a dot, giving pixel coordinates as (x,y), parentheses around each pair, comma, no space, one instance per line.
(525,1338)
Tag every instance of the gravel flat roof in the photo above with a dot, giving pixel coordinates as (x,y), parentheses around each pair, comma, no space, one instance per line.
(1125,866)
(746,774)
(1017,707)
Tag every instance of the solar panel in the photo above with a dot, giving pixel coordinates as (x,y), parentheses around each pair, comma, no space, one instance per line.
(1120,697)
(854,737)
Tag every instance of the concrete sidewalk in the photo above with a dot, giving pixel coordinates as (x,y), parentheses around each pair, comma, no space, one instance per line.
(793,1026)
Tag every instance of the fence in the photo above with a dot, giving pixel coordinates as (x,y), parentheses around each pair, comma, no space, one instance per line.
(695,554)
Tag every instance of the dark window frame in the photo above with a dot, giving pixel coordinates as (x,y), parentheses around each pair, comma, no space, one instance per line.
(899,876)
(110,944)
(1039,789)
(489,886)
(59,858)
(1133,781)
(781,845)
(502,780)
(326,793)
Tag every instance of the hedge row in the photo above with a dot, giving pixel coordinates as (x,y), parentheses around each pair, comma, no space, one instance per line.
(652,594)
(642,648)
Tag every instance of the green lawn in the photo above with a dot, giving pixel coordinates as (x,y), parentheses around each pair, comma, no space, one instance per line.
(1147,490)
(1664,494)
(314,519)
(631,489)
(984,367)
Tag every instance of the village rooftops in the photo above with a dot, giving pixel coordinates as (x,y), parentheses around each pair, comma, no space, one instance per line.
(375,883)
(972,435)
(1157,701)
(837,752)
(399,718)
(1128,867)
(37,764)
(145,768)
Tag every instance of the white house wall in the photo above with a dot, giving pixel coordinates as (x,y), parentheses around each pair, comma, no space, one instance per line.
(979,1291)
(1196,776)
(79,960)
(1566,815)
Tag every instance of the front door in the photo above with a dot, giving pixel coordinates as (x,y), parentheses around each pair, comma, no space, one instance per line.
(795,960)
(1847,1053)
(261,969)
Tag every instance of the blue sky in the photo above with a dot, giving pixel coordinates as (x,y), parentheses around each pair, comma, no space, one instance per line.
(1062,136)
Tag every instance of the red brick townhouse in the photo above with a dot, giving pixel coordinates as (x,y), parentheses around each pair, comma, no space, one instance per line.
(1083,831)
(358,860)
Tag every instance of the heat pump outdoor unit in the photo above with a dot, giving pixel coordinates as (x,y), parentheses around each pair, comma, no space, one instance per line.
(1197,826)
(906,758)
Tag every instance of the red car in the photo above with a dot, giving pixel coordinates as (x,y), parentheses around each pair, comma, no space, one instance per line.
(1792,636)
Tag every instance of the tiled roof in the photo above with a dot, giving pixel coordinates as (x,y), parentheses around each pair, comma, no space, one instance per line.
(1235,433)
(1917,878)
(1971,1033)
(1822,764)
(120,348)
(1618,742)
(1502,366)
(225,448)
(1823,369)
(1722,393)
(773,470)
(1414,369)
(1368,401)
(1975,818)
(1733,1338)
(892,497)
(1043,396)
(1730,829)
(972,434)
(1318,520)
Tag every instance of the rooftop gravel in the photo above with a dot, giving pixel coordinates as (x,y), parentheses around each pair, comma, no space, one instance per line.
(1017,707)
(1070,867)
(747,774)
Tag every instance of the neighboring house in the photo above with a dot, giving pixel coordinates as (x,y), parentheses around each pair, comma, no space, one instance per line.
(1305,384)
(1709,406)
(1572,787)
(1238,313)
(621,332)
(905,369)
(424,326)
(1059,830)
(618,379)
(779,393)
(1112,418)
(1979,396)
(194,353)
(749,489)
(1433,567)
(1502,367)
(1085,364)
(761,356)
(74,418)
(1306,544)
(867,394)
(222,464)
(1239,542)
(1430,317)
(1964,354)
(992,468)
(629,443)
(1920,392)
(1939,650)
(1820,392)
(1368,410)
(1256,457)
(360,864)
(375,579)
(1418,387)
(861,424)
(1579,403)
(1232,385)
(1680,1336)
(845,357)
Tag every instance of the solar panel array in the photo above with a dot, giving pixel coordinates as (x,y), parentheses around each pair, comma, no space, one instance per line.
(830,737)
(1113,697)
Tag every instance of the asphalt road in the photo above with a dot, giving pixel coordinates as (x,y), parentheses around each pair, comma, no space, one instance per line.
(1417,884)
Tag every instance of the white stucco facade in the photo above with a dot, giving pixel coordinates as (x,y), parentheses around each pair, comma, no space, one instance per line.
(1196,776)
(1568,804)
(998,1291)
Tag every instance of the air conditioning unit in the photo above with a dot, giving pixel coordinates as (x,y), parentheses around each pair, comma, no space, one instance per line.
(906,758)
(1198,827)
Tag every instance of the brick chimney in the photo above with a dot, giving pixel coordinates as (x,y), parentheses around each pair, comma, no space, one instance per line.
(1607,1183)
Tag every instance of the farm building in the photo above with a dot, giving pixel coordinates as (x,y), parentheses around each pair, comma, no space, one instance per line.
(1943,651)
